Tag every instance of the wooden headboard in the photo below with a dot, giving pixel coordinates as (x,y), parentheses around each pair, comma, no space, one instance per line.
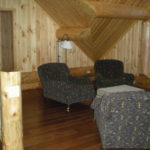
(142,81)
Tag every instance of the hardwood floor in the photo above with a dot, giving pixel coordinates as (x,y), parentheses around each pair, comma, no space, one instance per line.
(47,125)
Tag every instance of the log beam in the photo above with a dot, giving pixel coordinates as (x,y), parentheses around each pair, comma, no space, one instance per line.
(12,136)
(108,10)
(74,34)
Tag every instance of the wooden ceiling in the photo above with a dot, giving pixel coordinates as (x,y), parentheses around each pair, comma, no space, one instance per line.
(95,25)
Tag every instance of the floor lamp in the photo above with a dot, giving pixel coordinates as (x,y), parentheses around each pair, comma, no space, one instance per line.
(65,44)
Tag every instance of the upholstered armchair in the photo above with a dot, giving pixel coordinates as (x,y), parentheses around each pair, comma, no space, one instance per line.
(110,72)
(60,86)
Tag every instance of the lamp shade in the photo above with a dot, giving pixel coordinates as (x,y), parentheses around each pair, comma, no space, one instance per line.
(66,44)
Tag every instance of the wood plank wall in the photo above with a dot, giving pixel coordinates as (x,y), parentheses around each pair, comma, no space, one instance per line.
(76,58)
(34,36)
(35,41)
(134,49)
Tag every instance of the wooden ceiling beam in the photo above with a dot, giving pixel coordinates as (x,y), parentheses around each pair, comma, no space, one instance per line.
(72,33)
(103,9)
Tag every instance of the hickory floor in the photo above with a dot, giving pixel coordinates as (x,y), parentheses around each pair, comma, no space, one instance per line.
(47,125)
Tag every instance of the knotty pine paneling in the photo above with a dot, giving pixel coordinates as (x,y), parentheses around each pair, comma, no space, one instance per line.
(34,37)
(76,58)
(105,32)
(128,49)
(35,40)
(134,49)
(32,34)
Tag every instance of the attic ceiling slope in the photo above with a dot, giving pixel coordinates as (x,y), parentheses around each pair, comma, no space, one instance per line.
(102,9)
(94,33)
(68,13)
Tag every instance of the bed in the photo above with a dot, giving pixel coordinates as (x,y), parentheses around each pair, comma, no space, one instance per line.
(122,114)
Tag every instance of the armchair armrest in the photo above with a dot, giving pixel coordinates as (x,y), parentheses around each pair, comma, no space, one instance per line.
(79,80)
(100,81)
(129,78)
(126,78)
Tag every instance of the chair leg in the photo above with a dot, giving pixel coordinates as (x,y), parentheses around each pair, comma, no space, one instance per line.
(68,108)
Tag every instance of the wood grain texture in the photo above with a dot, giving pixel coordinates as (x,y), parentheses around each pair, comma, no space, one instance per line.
(30,80)
(113,10)
(105,32)
(142,81)
(12,136)
(34,35)
(82,71)
(128,49)
(35,39)
(47,126)
(71,13)
(72,33)
(134,49)
(76,58)
(145,49)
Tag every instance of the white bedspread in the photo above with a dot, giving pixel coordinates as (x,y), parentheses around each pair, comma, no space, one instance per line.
(116,89)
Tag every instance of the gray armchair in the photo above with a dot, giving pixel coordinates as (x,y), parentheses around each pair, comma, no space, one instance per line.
(110,72)
(60,86)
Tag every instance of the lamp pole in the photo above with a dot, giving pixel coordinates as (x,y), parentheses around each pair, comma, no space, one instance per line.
(58,50)
(65,44)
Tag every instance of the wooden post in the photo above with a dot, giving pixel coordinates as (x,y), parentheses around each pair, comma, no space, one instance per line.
(0,119)
(12,136)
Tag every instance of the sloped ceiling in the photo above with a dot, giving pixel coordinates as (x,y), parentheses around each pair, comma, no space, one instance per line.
(95,25)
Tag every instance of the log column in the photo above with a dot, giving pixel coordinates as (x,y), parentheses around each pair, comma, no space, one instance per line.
(12,136)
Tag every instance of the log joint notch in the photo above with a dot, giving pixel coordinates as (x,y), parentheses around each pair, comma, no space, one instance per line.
(73,33)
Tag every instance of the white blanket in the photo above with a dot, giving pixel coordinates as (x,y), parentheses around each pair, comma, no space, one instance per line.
(116,89)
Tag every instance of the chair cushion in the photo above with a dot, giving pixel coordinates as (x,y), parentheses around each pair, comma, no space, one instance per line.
(57,71)
(109,68)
